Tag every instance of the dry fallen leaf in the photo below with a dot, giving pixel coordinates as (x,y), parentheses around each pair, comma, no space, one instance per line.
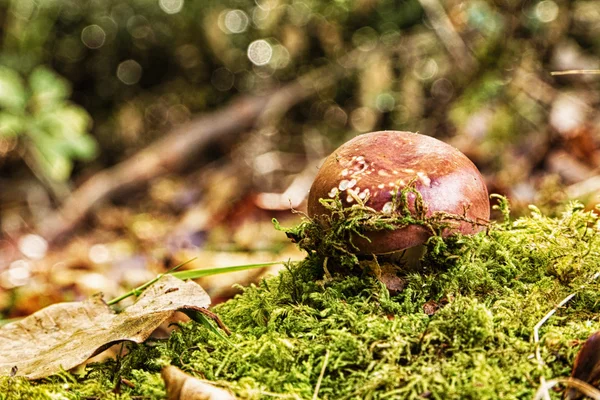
(181,386)
(586,367)
(64,335)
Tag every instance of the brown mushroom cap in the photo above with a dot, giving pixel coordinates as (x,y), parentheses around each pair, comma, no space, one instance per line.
(375,164)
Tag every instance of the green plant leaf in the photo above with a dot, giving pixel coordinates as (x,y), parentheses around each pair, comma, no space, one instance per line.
(49,89)
(52,161)
(13,95)
(83,147)
(11,125)
(66,122)
(68,126)
(59,136)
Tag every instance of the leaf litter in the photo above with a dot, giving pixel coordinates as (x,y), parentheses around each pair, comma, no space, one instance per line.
(181,386)
(64,335)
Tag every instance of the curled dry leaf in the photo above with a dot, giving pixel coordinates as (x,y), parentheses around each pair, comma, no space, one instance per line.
(587,365)
(64,335)
(181,386)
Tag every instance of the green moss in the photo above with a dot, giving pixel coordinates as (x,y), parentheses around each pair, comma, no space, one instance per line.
(330,238)
(488,292)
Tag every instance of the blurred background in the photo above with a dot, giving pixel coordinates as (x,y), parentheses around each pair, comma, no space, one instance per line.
(135,135)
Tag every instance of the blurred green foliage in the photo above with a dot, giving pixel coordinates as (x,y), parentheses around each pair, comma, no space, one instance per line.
(55,130)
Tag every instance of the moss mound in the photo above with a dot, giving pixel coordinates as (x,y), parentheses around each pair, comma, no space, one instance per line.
(461,328)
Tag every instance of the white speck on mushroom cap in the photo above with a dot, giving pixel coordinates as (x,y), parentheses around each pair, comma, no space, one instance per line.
(355,167)
(333,192)
(424,178)
(383,172)
(343,184)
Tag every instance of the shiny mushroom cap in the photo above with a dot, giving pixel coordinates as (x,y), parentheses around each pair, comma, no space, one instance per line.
(374,165)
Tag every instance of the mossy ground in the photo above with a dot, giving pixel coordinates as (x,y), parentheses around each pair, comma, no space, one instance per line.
(461,328)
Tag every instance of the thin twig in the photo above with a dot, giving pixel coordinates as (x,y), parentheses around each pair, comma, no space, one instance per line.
(316,394)
(576,72)
(172,152)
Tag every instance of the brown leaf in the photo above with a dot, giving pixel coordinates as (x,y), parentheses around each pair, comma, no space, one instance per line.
(587,365)
(182,386)
(391,280)
(64,335)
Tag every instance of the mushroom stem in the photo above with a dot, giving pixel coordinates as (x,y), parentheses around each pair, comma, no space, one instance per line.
(409,258)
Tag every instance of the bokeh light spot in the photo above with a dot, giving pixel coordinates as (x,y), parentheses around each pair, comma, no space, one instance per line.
(33,246)
(426,69)
(546,11)
(385,102)
(99,254)
(18,274)
(222,79)
(260,52)
(171,6)
(281,57)
(266,5)
(139,27)
(236,21)
(129,72)
(93,36)
(442,89)
(363,119)
(336,116)
(365,38)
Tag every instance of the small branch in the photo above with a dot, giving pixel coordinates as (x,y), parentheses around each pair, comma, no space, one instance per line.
(171,153)
(576,72)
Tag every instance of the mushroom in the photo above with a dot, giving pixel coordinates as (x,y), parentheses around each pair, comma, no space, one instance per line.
(372,166)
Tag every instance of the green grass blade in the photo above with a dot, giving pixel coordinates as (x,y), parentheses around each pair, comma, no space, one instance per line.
(192,274)
(199,273)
